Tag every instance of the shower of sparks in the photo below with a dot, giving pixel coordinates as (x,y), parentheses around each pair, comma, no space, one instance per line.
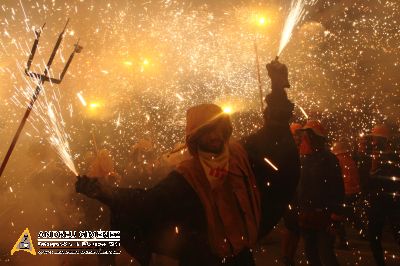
(296,14)
(344,65)
(47,110)
(58,137)
(198,55)
(271,164)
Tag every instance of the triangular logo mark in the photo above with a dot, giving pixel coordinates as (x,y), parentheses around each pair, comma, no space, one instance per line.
(24,243)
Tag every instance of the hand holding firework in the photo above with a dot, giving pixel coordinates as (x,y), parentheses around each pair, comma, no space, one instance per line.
(278,73)
(93,188)
(279,108)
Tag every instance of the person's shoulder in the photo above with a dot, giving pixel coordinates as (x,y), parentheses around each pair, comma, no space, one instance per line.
(235,145)
(185,164)
(173,179)
(330,157)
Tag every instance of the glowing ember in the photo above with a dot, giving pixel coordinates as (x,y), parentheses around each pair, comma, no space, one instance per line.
(304,112)
(271,164)
(80,97)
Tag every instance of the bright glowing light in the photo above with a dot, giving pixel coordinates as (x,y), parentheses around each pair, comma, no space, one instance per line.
(80,97)
(146,62)
(94,105)
(128,63)
(271,164)
(227,110)
(262,20)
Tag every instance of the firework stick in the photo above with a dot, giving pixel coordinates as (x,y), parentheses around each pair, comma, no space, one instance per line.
(41,80)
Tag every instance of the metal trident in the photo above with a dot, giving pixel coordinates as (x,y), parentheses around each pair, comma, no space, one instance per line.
(41,78)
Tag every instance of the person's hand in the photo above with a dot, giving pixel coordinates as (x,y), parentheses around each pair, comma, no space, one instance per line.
(92,187)
(278,73)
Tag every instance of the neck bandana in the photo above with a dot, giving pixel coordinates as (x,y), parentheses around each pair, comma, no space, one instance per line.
(216,166)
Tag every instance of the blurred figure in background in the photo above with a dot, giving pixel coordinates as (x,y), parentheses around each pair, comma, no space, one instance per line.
(383,190)
(320,195)
(351,179)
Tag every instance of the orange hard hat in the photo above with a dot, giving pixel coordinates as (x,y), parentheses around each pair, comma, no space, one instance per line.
(380,131)
(294,127)
(316,127)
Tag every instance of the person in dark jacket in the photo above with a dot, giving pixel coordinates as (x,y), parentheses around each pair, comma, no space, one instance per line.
(291,232)
(383,190)
(214,207)
(320,195)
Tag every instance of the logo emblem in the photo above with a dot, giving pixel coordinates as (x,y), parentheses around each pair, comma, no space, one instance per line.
(24,243)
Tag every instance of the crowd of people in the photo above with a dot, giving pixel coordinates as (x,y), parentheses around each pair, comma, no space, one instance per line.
(221,196)
(342,184)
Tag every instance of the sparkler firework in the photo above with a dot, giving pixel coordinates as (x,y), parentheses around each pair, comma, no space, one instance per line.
(56,139)
(296,14)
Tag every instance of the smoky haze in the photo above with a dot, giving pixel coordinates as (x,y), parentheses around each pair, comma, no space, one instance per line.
(145,62)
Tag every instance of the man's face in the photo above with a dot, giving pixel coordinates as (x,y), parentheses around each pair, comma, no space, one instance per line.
(212,139)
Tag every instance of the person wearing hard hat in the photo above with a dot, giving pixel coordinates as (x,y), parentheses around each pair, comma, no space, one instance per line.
(215,206)
(351,179)
(320,194)
(383,190)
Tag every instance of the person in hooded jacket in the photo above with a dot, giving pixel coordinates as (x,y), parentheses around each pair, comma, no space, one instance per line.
(214,207)
(320,195)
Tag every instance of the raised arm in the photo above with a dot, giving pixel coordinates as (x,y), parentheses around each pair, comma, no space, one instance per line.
(275,143)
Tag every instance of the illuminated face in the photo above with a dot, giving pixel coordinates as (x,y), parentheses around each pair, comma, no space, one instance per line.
(212,139)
